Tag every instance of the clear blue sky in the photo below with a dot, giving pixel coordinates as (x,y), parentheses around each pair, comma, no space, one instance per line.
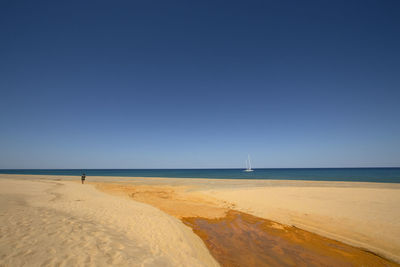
(198,84)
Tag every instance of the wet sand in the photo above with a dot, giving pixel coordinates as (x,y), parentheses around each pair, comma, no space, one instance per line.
(240,239)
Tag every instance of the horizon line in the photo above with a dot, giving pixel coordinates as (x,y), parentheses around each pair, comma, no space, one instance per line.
(380,167)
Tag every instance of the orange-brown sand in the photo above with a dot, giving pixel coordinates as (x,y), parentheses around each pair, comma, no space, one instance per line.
(238,239)
(174,200)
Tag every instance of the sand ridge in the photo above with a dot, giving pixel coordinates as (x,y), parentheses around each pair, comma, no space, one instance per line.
(68,224)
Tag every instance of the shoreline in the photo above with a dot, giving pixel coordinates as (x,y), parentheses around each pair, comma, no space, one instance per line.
(215,197)
(185,180)
(217,179)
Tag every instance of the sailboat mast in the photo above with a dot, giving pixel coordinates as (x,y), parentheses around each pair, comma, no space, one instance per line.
(249,161)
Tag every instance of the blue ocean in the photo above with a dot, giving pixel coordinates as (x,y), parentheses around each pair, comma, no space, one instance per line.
(381,175)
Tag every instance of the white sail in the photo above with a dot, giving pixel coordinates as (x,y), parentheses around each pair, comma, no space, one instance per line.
(248,156)
(248,164)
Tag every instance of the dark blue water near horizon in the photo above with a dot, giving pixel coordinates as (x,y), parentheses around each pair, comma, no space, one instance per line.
(382,175)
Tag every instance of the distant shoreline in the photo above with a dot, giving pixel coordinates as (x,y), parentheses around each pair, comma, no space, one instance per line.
(377,175)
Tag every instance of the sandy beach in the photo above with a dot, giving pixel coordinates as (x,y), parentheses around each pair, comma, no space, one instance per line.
(362,215)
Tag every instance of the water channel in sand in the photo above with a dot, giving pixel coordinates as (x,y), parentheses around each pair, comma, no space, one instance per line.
(239,239)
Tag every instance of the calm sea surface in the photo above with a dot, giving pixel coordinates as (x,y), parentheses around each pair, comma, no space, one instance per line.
(383,175)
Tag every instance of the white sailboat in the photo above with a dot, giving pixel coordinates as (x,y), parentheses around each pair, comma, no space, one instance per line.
(248,165)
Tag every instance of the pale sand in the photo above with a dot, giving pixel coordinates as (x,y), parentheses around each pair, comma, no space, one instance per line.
(63,223)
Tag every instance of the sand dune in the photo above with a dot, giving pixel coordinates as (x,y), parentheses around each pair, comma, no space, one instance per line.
(67,224)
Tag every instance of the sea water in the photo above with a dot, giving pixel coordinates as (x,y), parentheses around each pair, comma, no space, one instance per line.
(383,175)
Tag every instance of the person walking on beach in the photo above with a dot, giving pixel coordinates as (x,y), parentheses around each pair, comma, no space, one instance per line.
(83,178)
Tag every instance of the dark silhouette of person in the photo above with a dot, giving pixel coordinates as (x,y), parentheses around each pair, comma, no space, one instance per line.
(83,178)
